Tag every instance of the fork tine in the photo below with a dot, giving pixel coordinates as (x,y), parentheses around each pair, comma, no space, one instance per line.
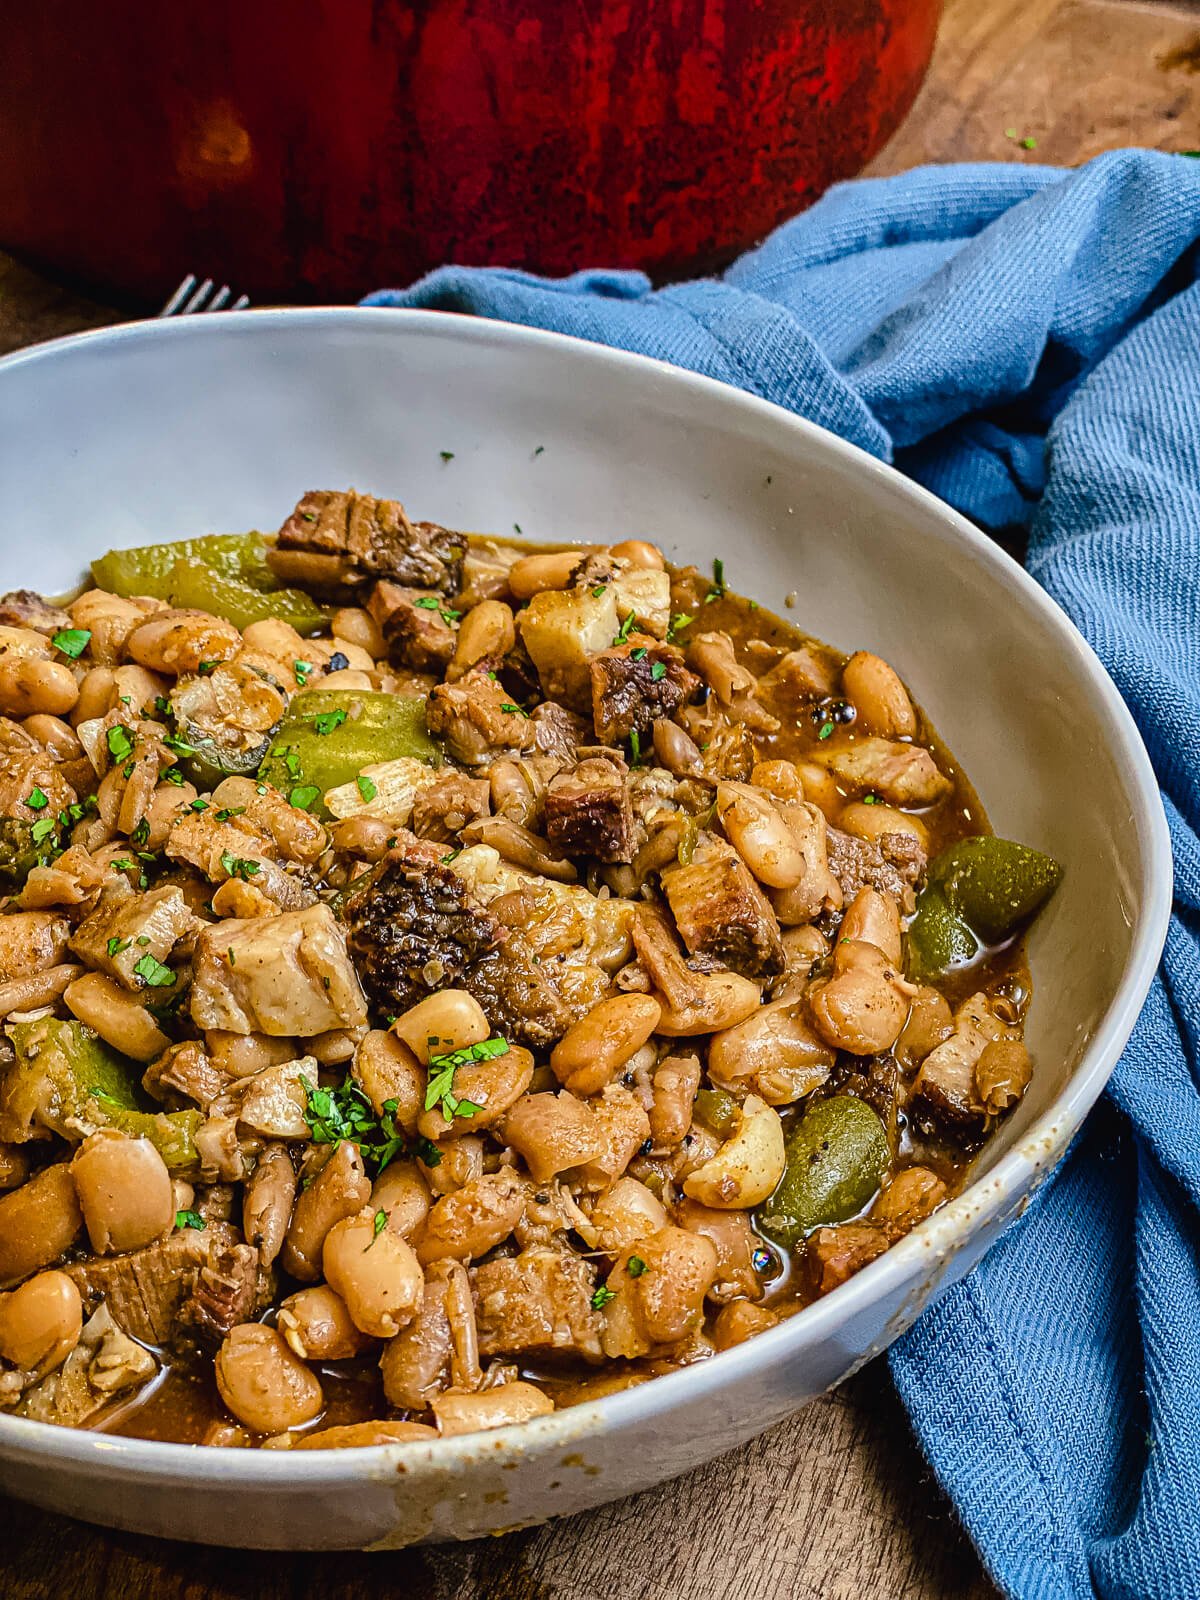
(218,300)
(175,303)
(197,302)
(240,304)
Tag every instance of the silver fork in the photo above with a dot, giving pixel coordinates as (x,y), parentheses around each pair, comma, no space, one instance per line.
(193,296)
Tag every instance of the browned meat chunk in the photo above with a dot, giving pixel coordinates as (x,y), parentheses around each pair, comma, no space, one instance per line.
(146,1289)
(536,1303)
(834,1255)
(721,912)
(809,673)
(104,1364)
(893,864)
(24,608)
(416,625)
(333,541)
(477,719)
(517,996)
(636,684)
(559,732)
(449,804)
(186,1071)
(412,928)
(228,1289)
(588,812)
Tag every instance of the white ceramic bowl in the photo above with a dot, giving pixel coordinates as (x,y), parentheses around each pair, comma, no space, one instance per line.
(161,430)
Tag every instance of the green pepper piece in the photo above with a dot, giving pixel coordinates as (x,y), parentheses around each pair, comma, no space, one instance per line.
(196,586)
(837,1154)
(148,568)
(718,1111)
(18,853)
(329,735)
(937,938)
(67,1080)
(994,884)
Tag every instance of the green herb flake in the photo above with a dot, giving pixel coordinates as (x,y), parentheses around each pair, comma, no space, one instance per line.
(116,945)
(345,1113)
(602,1296)
(239,867)
(513,710)
(824,731)
(378,1224)
(635,748)
(635,1266)
(626,628)
(120,744)
(36,799)
(122,865)
(42,829)
(229,811)
(439,1090)
(870,800)
(198,805)
(173,775)
(303,795)
(540,449)
(639,654)
(207,667)
(717,591)
(301,670)
(517,528)
(446,455)
(329,720)
(658,671)
(141,834)
(678,622)
(367,787)
(152,971)
(189,1219)
(72,641)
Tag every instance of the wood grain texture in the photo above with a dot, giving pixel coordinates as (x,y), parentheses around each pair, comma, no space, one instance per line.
(836,1503)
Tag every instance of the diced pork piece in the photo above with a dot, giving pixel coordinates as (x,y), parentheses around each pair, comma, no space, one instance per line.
(186,1070)
(892,864)
(559,732)
(30,942)
(906,1199)
(833,1255)
(478,720)
(807,674)
(126,927)
(222,850)
(256,808)
(105,1364)
(447,805)
(272,1101)
(416,625)
(588,812)
(25,608)
(24,767)
(537,1303)
(735,1242)
(288,976)
(334,541)
(901,774)
(947,1081)
(553,1132)
(518,997)
(145,1289)
(636,683)
(228,1289)
(413,928)
(562,629)
(641,593)
(721,912)
(439,1347)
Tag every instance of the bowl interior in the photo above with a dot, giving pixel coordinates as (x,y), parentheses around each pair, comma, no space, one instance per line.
(218,424)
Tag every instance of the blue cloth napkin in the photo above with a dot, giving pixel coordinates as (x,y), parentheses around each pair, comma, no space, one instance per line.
(1025,342)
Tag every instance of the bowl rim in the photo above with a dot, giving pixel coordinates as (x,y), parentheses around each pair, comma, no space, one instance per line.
(1015,1174)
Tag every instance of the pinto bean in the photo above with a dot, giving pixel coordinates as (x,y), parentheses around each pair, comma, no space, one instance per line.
(267,1204)
(875,918)
(374,1271)
(39,1222)
(873,821)
(664,1302)
(388,1070)
(676,1080)
(263,1383)
(241,1055)
(40,1322)
(639,553)
(490,1086)
(353,625)
(740,1320)
(402,1192)
(54,735)
(624,1214)
(176,642)
(760,835)
(116,1015)
(677,750)
(29,687)
(124,1191)
(775,1052)
(461,1163)
(722,999)
(340,1189)
(490,1408)
(357,1435)
(878,696)
(551,570)
(473,1220)
(486,632)
(39,989)
(863,1006)
(441,1023)
(594,1051)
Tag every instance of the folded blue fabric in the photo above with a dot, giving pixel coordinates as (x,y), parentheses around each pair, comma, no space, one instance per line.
(1025,342)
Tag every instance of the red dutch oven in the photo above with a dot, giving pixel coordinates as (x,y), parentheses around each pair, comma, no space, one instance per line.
(316,149)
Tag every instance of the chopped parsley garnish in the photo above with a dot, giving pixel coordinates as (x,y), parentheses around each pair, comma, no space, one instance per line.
(72,641)
(346,1113)
(440,1088)
(539,450)
(870,800)
(120,745)
(635,1266)
(301,670)
(639,654)
(635,748)
(602,1296)
(453,856)
(122,865)
(42,829)
(678,622)
(141,834)
(105,1099)
(516,527)
(717,591)
(239,867)
(329,720)
(198,805)
(598,590)
(180,746)
(658,671)
(825,730)
(303,795)
(231,957)
(513,710)
(429,602)
(206,667)
(116,945)
(173,775)
(162,705)
(152,971)
(626,628)
(378,1224)
(189,1219)
(367,787)
(229,811)
(446,455)
(36,799)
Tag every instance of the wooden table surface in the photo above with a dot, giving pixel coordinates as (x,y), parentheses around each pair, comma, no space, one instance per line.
(836,1503)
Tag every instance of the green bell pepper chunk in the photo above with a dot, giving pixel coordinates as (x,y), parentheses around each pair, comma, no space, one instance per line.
(994,884)
(225,573)
(837,1154)
(329,735)
(68,1080)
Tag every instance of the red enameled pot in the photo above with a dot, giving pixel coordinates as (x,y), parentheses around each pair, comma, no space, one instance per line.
(316,149)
